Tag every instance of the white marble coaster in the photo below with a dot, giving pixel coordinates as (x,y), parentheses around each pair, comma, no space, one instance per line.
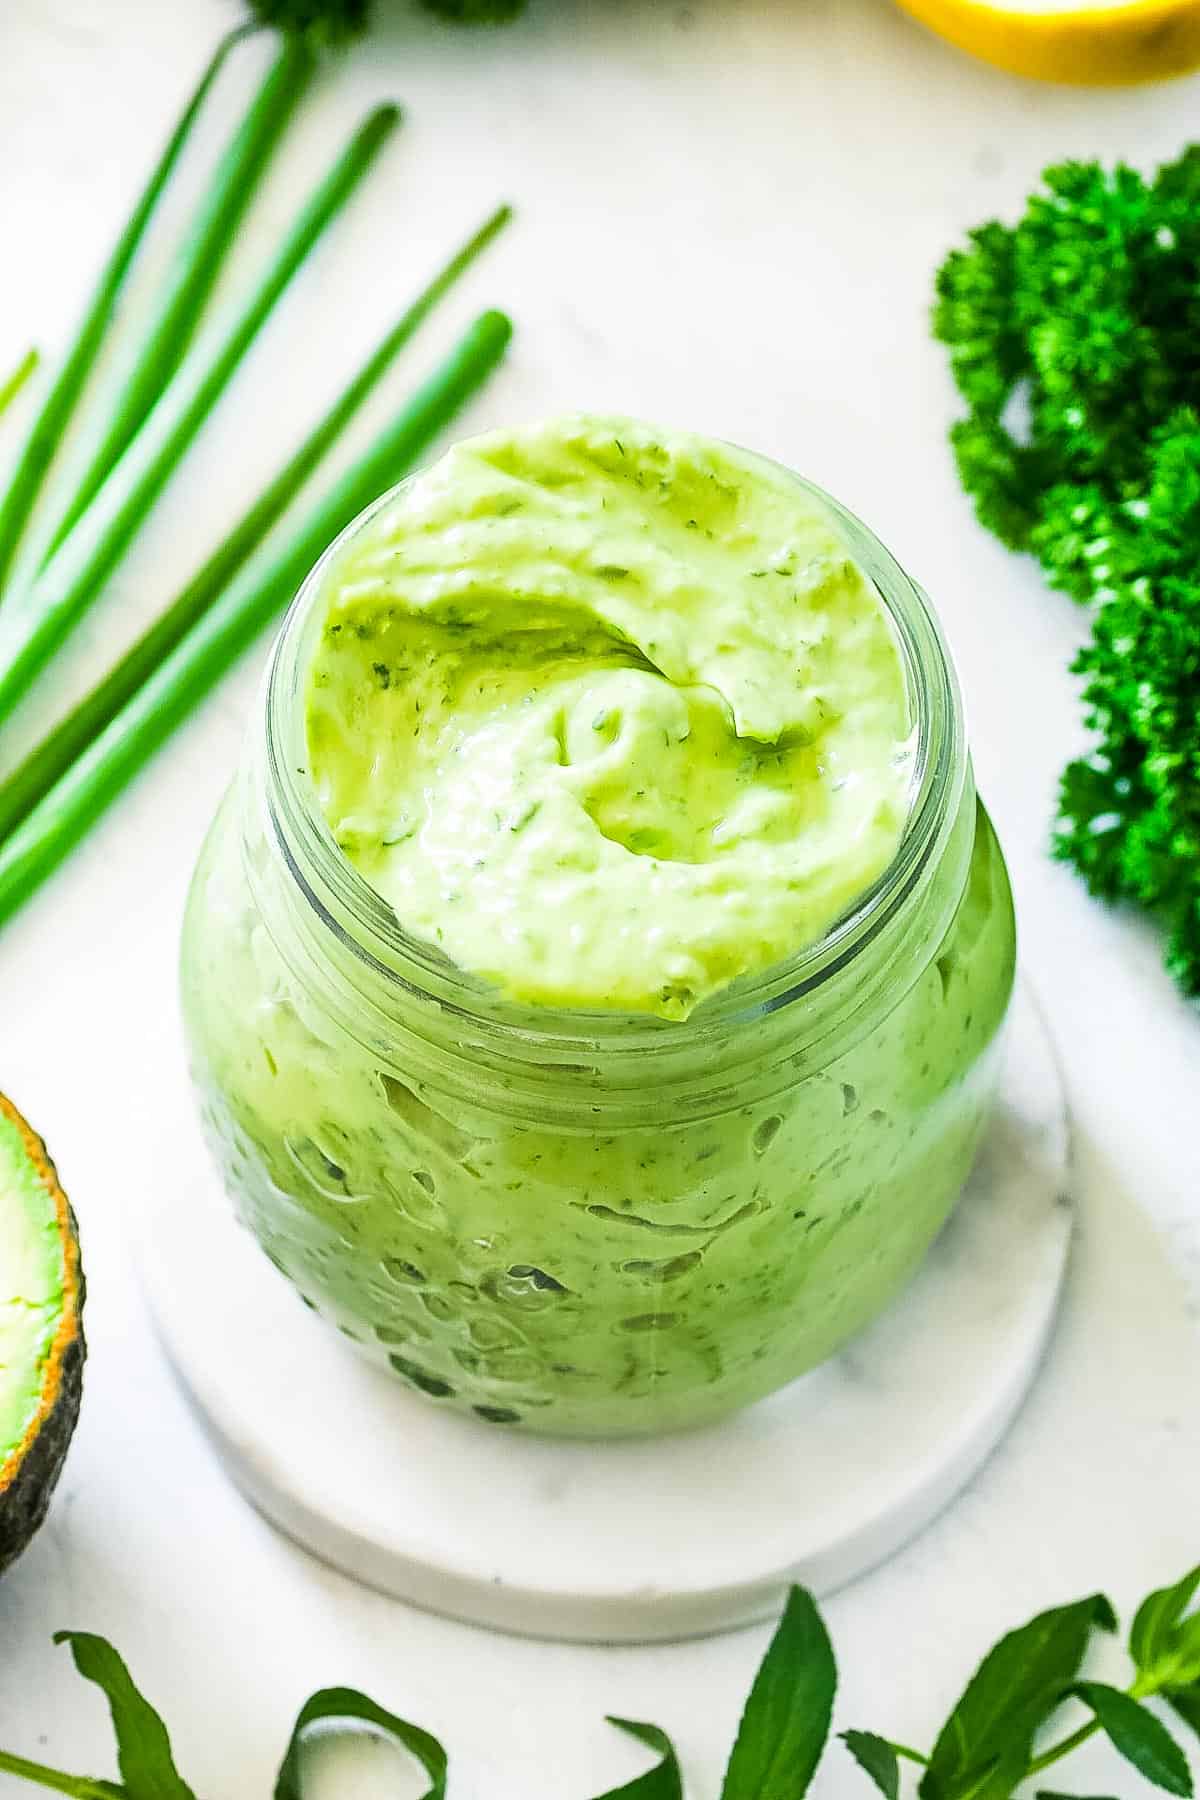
(635,1540)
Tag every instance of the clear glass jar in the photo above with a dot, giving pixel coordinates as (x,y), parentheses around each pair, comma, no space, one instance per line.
(594,1224)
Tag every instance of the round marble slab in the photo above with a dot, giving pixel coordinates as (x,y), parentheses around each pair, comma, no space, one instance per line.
(640,1539)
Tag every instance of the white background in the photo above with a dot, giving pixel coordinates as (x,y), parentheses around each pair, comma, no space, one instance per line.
(729,214)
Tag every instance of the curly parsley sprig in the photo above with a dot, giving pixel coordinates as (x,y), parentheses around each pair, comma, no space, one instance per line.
(1074,338)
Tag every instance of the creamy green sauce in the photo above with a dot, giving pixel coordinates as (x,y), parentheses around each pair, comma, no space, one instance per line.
(613,718)
(608,714)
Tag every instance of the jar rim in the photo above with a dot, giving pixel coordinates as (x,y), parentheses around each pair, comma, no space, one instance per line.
(344,905)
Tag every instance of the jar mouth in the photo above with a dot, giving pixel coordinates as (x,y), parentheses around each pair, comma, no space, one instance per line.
(342,902)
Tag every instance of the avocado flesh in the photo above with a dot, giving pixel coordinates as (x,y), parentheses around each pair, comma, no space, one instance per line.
(32,1278)
(41,1342)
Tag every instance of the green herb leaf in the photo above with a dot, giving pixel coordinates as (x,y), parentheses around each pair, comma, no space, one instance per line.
(878,1758)
(663,1782)
(1157,1617)
(144,1757)
(345,1706)
(1164,1645)
(1186,1702)
(1140,1738)
(786,1719)
(984,1746)
(1049,1794)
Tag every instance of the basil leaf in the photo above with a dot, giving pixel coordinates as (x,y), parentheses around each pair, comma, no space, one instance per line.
(1186,1702)
(1141,1739)
(342,1706)
(144,1757)
(984,1746)
(876,1756)
(1157,1637)
(663,1782)
(786,1719)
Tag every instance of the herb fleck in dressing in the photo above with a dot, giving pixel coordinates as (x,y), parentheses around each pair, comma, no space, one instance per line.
(610,715)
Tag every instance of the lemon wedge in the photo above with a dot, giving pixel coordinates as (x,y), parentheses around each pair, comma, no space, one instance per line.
(1084,41)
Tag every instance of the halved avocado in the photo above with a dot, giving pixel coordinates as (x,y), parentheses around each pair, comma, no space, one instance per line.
(41,1331)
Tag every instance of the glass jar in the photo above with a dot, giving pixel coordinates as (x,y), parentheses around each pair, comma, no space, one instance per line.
(581,1223)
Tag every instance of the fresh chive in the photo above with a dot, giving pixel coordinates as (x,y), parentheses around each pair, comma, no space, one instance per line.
(56,825)
(209,237)
(41,617)
(20,793)
(12,385)
(47,429)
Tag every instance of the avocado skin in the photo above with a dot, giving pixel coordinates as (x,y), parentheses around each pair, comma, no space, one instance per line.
(30,1474)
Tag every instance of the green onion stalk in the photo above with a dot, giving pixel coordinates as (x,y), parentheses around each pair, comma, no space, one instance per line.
(38,619)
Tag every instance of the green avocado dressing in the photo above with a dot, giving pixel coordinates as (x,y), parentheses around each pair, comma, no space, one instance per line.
(609,714)
(612,718)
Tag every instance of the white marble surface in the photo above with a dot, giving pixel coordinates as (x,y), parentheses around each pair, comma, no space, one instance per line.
(729,214)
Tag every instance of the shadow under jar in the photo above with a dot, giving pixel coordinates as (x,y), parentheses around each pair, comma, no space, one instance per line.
(583,1223)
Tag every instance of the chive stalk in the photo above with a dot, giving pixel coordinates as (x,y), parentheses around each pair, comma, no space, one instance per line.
(29,783)
(11,386)
(39,618)
(250,602)
(198,261)
(269,112)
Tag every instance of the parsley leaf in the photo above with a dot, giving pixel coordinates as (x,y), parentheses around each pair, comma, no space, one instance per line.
(1083,321)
